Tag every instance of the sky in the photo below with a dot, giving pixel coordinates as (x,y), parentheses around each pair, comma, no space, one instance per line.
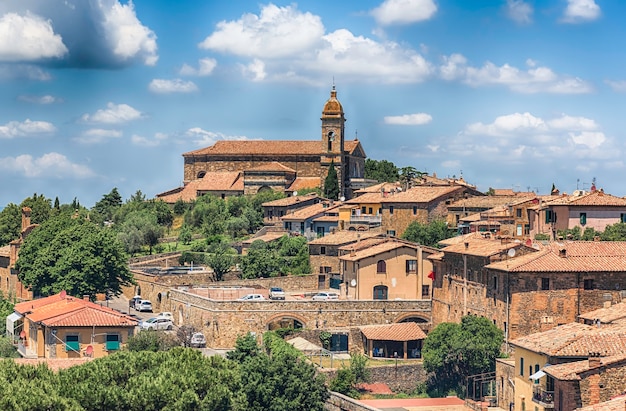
(103,94)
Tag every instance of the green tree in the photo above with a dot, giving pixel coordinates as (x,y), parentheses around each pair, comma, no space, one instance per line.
(427,234)
(40,208)
(75,255)
(295,253)
(221,260)
(184,235)
(10,223)
(105,209)
(590,234)
(245,347)
(408,176)
(140,226)
(358,366)
(615,232)
(381,171)
(262,260)
(344,383)
(454,351)
(150,340)
(331,183)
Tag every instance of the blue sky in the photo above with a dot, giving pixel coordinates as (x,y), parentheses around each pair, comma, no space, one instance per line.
(96,94)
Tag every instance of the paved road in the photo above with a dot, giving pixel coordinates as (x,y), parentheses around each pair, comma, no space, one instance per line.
(121,304)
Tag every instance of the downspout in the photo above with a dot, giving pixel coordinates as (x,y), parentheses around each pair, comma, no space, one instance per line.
(508,321)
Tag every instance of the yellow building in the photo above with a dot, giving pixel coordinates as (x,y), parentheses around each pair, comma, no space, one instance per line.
(61,326)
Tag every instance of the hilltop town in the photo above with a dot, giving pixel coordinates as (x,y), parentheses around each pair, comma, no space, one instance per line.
(547,270)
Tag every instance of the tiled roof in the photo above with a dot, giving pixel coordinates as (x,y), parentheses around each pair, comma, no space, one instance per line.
(459,239)
(577,256)
(420,194)
(5,251)
(377,188)
(64,311)
(291,200)
(343,237)
(54,364)
(485,202)
(614,404)
(308,212)
(480,247)
(376,250)
(409,331)
(302,183)
(364,243)
(606,315)
(327,219)
(597,198)
(216,181)
(551,342)
(272,166)
(571,371)
(268,147)
(268,237)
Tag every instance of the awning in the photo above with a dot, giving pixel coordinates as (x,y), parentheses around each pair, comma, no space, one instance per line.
(537,375)
(11,320)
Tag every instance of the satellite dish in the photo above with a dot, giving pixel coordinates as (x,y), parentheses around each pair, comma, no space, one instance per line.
(295,193)
(353,282)
(511,252)
(342,198)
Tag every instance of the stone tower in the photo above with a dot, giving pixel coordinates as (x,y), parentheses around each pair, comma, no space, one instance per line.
(333,127)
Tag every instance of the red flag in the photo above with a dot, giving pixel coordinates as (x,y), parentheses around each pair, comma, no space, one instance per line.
(431,275)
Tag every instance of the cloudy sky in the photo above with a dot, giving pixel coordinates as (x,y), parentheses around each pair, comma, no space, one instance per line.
(521,94)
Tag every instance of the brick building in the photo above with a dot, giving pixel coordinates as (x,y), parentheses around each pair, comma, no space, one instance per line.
(10,285)
(250,166)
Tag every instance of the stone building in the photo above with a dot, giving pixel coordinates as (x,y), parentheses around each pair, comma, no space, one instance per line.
(250,166)
(10,285)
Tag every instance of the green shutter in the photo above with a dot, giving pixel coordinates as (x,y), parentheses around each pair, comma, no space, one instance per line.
(583,218)
(72,346)
(112,345)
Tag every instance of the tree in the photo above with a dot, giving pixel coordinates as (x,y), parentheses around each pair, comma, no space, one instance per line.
(245,347)
(408,175)
(139,228)
(10,223)
(615,232)
(75,255)
(331,183)
(454,351)
(381,171)
(151,340)
(40,207)
(106,208)
(184,235)
(221,260)
(427,234)
(262,260)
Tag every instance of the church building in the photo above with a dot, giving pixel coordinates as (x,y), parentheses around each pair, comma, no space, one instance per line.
(231,167)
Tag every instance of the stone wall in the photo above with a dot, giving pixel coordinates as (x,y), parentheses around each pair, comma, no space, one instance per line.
(401,379)
(340,402)
(602,384)
(505,380)
(223,321)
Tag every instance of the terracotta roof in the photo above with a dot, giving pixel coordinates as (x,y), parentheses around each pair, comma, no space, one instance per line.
(552,341)
(570,256)
(54,364)
(327,218)
(485,223)
(377,188)
(364,243)
(614,404)
(268,237)
(343,237)
(64,311)
(571,371)
(376,250)
(480,247)
(302,183)
(309,211)
(485,202)
(374,388)
(216,181)
(5,251)
(606,315)
(272,166)
(291,200)
(459,239)
(597,198)
(268,147)
(420,194)
(393,332)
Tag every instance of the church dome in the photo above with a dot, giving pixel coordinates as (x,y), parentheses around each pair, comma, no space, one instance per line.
(333,106)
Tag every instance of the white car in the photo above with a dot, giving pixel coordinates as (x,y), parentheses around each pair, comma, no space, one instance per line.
(197,340)
(324,296)
(156,323)
(166,314)
(143,305)
(277,293)
(252,297)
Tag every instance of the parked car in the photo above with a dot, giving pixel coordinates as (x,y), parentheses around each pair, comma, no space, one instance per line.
(143,305)
(134,301)
(277,293)
(166,314)
(252,297)
(156,323)
(325,296)
(197,340)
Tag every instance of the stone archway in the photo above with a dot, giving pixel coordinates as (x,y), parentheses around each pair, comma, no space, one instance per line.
(418,318)
(285,320)
(263,189)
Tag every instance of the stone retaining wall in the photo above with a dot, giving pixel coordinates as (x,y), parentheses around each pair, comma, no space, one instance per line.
(403,379)
(340,402)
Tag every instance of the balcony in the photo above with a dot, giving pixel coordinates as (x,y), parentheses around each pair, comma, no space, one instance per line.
(366,219)
(543,397)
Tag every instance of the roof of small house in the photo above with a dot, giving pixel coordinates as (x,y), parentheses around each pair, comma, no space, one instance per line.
(481,247)
(614,404)
(343,237)
(303,183)
(292,200)
(419,194)
(571,371)
(309,211)
(607,314)
(408,331)
(5,251)
(215,181)
(377,249)
(267,237)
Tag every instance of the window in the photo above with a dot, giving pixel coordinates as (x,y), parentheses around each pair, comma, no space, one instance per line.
(545,283)
(550,216)
(411,266)
(370,210)
(425,291)
(113,342)
(363,210)
(536,371)
(495,284)
(390,209)
(622,217)
(414,210)
(583,218)
(322,250)
(521,367)
(72,343)
(380,292)
(391,232)
(381,266)
(518,212)
(588,284)
(288,225)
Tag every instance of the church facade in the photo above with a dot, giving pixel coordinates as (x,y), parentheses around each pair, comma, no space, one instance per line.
(246,167)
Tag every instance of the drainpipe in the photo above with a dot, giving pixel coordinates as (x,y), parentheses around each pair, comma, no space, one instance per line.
(465,281)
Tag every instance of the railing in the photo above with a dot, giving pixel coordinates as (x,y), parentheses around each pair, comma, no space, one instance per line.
(24,351)
(543,397)
(365,219)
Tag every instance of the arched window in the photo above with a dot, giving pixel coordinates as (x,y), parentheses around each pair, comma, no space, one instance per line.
(380,292)
(201,174)
(381,266)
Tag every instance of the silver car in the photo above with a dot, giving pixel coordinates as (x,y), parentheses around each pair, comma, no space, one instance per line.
(156,323)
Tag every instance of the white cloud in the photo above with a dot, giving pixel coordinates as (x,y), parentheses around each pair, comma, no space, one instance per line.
(581,10)
(276,32)
(202,137)
(28,38)
(509,125)
(535,79)
(113,114)
(416,119)
(519,11)
(566,122)
(255,70)
(46,99)
(404,11)
(146,142)
(23,71)
(618,86)
(98,135)
(26,128)
(205,68)
(172,86)
(589,138)
(53,165)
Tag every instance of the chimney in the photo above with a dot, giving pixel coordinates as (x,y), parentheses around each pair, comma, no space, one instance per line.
(25,217)
(594,360)
(86,297)
(467,245)
(352,252)
(563,253)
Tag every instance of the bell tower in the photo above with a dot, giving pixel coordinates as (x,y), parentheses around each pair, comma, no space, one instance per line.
(333,127)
